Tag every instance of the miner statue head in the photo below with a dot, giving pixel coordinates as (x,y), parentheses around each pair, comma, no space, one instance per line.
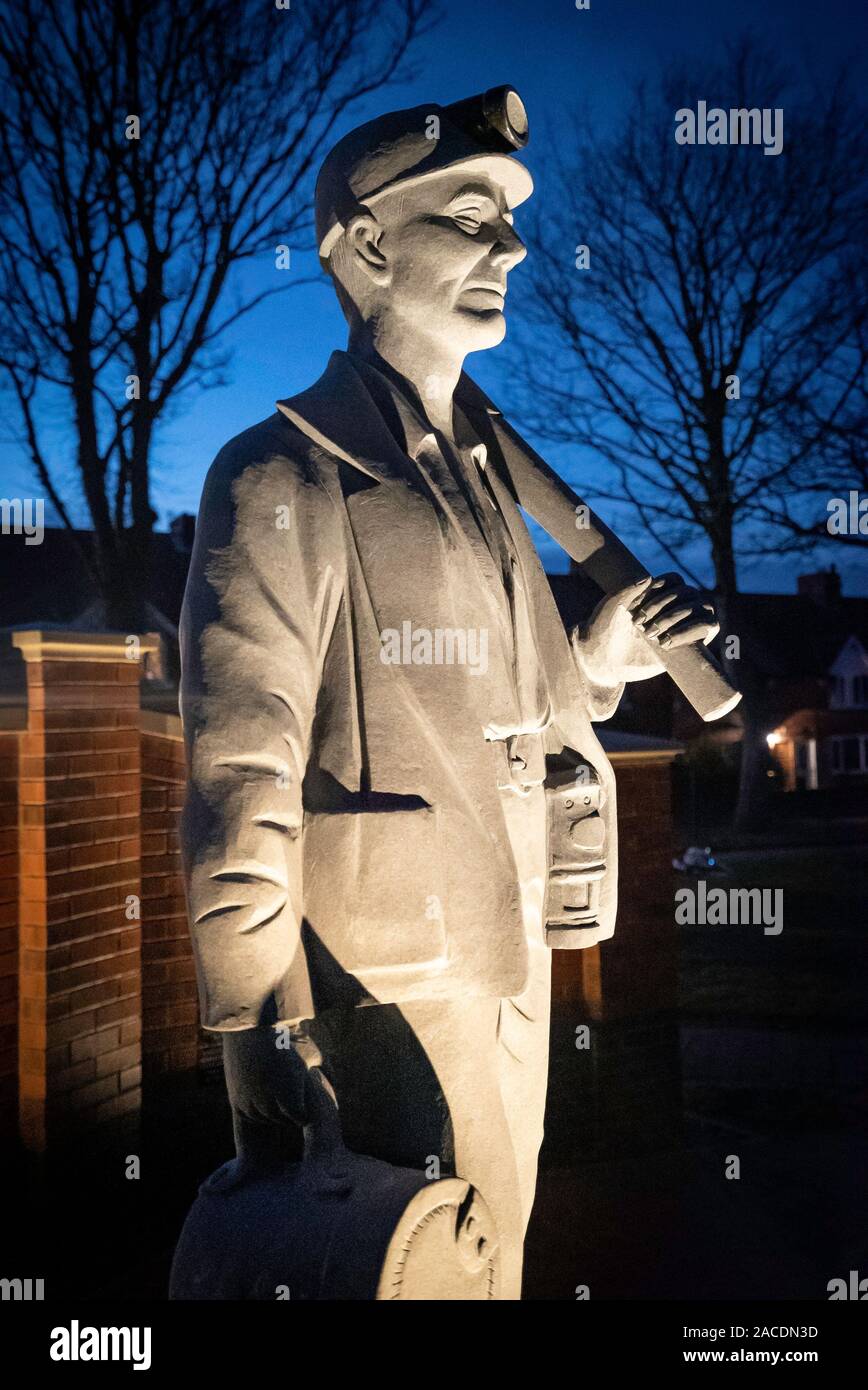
(414,221)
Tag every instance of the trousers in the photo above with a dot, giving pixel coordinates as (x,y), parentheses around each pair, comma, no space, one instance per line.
(458,1087)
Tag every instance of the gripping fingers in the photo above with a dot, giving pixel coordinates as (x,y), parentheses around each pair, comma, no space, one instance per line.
(694,628)
(656,627)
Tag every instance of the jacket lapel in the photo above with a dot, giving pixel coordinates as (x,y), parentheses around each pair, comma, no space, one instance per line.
(552,641)
(338,414)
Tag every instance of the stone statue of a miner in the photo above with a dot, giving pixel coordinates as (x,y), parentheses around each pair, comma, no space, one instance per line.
(397,804)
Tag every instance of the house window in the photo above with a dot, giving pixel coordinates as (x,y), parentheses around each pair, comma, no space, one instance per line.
(848,676)
(850,754)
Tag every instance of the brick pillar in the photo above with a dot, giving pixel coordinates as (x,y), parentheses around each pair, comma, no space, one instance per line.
(624,1089)
(634,973)
(8,931)
(80,933)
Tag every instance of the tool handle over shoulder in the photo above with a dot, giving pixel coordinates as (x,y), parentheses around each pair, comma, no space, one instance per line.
(603,557)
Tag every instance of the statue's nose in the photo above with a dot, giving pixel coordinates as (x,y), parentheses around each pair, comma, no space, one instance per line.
(509,248)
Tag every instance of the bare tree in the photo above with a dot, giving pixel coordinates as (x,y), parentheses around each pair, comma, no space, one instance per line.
(709,344)
(148,148)
(796,510)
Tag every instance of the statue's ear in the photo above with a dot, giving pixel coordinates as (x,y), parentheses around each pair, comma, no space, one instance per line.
(362,238)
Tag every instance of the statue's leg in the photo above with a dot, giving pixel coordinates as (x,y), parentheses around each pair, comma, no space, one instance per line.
(451,1088)
(508,1043)
(523,1054)
(461,1041)
(420,1087)
(458,1088)
(524,1021)
(491,1059)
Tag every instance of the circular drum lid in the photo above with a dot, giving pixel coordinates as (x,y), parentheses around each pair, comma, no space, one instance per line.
(444,1247)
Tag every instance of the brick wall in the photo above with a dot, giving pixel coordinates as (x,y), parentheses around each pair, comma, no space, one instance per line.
(170,1009)
(8,931)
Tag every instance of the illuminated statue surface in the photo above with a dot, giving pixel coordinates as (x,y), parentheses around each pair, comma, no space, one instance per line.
(397,804)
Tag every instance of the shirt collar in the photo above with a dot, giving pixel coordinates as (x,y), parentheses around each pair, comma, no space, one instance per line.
(416,433)
(402,417)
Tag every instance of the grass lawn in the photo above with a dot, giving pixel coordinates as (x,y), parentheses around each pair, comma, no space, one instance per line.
(814,972)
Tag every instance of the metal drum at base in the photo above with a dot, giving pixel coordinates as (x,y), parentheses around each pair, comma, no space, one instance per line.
(359,1229)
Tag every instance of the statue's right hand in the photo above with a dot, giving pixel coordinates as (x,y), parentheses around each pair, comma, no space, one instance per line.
(265,1076)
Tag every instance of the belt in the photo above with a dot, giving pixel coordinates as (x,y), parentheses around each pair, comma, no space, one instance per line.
(520,762)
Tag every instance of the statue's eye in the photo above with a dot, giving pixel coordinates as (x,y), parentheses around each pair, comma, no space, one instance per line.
(467,219)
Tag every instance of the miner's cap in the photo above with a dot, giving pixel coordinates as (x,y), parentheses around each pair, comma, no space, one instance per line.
(482,132)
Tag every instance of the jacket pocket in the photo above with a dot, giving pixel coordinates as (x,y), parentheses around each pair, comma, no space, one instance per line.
(373,888)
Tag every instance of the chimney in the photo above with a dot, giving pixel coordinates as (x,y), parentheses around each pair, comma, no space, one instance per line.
(822,587)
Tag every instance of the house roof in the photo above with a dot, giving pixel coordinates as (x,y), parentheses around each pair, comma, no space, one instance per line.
(49,584)
(793,635)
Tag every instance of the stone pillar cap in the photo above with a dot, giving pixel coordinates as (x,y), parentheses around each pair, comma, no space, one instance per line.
(62,644)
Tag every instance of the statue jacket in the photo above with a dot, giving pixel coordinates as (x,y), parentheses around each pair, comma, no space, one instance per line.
(343,837)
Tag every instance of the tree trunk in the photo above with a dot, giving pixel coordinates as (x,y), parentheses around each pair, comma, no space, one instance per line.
(752,800)
(752,804)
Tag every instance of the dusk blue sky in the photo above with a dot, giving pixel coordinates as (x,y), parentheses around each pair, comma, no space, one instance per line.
(556,56)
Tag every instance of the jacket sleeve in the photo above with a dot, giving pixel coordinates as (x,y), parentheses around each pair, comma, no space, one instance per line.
(601,700)
(265,585)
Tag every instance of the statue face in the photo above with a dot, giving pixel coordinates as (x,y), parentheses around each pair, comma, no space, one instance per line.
(447,245)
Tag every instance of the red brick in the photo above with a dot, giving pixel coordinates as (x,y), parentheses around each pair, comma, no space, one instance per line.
(127,1103)
(120,1060)
(62,1082)
(95,1044)
(94,1091)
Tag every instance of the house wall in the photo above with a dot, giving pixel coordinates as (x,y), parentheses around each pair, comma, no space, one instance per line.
(822,725)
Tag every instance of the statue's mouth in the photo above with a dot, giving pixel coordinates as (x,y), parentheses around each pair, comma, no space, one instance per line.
(486,296)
